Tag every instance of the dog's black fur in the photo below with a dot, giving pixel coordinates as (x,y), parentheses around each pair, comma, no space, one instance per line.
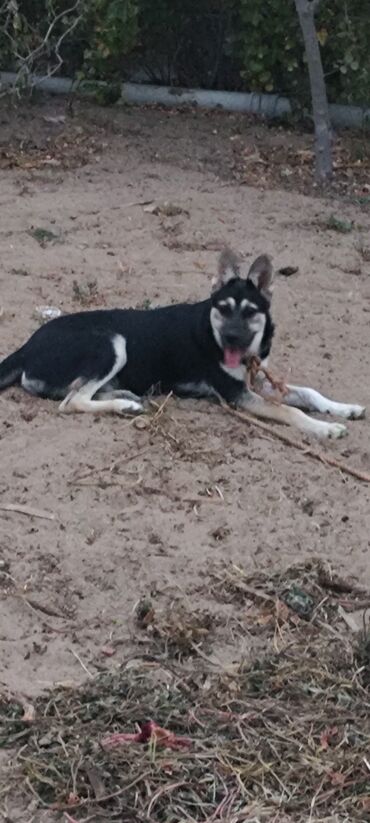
(180,348)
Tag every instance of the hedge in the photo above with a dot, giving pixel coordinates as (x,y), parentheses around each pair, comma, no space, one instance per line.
(231,44)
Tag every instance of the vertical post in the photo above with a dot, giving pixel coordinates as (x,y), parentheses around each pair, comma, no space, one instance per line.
(323,136)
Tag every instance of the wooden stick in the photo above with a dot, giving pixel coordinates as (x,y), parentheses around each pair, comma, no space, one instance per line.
(277,384)
(108,467)
(28,510)
(161,407)
(327,459)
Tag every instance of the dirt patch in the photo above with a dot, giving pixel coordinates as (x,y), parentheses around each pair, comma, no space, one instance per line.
(145,512)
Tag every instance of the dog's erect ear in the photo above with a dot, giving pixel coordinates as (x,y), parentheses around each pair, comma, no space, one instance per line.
(261,274)
(228,269)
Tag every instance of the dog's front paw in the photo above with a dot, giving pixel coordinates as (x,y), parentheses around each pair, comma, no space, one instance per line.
(354,412)
(128,395)
(128,407)
(323,430)
(334,430)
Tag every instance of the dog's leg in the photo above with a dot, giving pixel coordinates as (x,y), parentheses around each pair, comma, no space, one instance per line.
(261,408)
(112,394)
(311,400)
(82,392)
(81,401)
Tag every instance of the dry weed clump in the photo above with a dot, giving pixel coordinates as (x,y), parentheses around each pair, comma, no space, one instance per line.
(175,632)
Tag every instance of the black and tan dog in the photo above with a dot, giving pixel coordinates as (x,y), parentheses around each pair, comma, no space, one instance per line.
(106,361)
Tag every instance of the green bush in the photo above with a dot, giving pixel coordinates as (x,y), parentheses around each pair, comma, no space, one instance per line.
(269,46)
(251,44)
(110,32)
(271,50)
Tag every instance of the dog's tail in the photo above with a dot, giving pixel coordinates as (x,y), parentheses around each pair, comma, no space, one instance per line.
(11,368)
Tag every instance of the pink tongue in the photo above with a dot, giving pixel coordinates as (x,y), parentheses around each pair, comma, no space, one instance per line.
(232,358)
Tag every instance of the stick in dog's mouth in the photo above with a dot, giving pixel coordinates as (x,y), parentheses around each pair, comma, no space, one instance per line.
(253,365)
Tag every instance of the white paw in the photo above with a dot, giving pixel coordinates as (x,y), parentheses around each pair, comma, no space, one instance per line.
(350,412)
(127,395)
(134,398)
(124,406)
(332,430)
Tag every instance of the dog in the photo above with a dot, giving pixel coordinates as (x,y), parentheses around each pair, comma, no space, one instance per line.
(107,360)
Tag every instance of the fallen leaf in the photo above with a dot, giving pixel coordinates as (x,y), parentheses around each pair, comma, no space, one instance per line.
(55,120)
(287,271)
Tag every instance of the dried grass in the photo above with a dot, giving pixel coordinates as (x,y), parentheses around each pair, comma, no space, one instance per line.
(175,632)
(284,736)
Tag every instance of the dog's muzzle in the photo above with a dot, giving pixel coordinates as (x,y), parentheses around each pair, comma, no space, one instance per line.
(235,347)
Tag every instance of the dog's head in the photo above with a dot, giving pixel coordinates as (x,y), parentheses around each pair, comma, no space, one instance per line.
(240,307)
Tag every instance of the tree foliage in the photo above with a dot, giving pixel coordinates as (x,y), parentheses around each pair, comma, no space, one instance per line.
(234,44)
(272,55)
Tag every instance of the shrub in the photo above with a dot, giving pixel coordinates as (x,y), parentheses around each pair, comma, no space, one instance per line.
(271,50)
(251,44)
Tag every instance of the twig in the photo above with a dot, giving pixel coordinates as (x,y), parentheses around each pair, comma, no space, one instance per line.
(35,608)
(94,800)
(47,47)
(135,203)
(326,459)
(27,510)
(330,580)
(42,607)
(108,467)
(164,790)
(161,408)
(358,605)
(254,366)
(77,656)
(214,662)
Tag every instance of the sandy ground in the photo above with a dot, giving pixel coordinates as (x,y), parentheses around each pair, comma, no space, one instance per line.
(152,511)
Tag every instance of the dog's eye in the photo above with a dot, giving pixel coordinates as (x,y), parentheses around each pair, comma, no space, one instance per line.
(248,312)
(225,309)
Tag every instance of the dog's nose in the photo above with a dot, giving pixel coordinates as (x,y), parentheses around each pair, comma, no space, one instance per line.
(231,338)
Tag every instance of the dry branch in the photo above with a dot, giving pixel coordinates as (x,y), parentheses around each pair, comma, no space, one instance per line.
(324,458)
(17,29)
(27,510)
